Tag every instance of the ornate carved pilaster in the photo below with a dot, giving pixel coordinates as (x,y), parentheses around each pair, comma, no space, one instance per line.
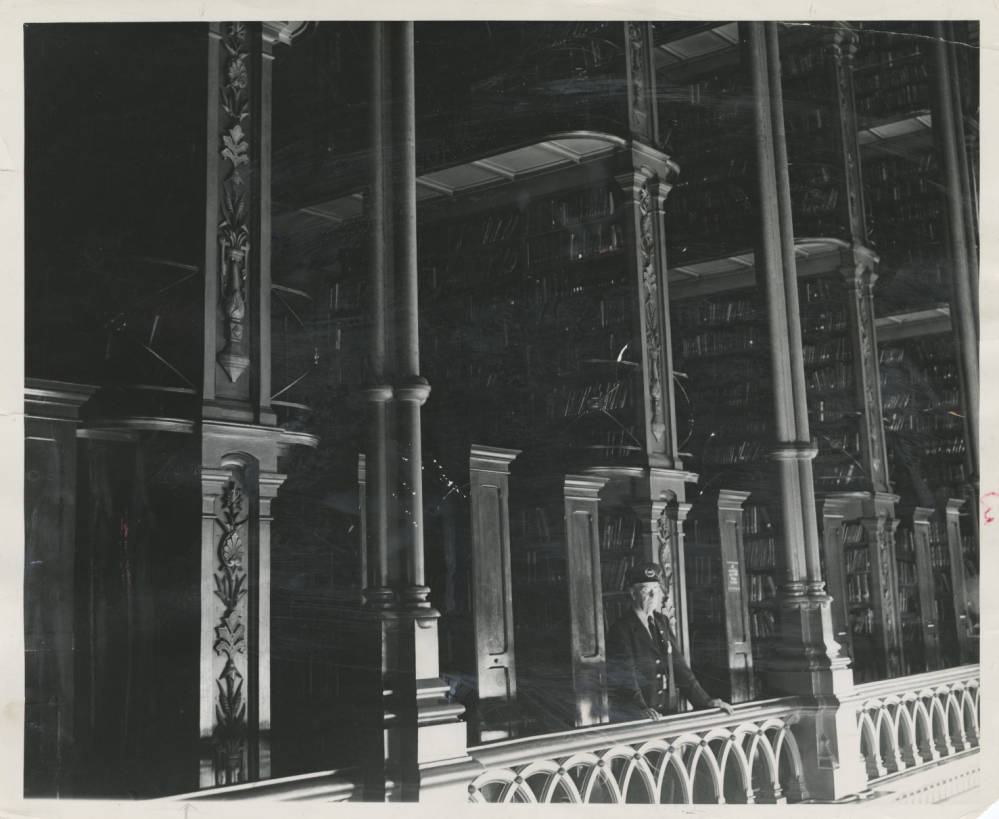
(225,614)
(234,198)
(857,268)
(645,188)
(839,46)
(238,483)
(237,344)
(881,534)
(927,598)
(643,115)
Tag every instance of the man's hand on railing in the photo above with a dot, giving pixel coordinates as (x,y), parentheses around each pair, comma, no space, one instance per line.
(652,713)
(724,706)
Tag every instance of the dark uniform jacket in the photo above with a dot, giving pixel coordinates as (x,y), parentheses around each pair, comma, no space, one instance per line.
(643,672)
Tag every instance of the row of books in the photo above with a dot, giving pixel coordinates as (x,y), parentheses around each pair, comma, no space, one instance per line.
(618,532)
(756,519)
(743,452)
(761,554)
(744,394)
(891,167)
(719,370)
(857,560)
(836,349)
(862,622)
(907,189)
(906,88)
(942,474)
(347,296)
(603,396)
(953,447)
(820,289)
(858,588)
(703,312)
(702,571)
(761,588)
(839,443)
(811,199)
(934,349)
(824,321)
(886,49)
(833,378)
(613,572)
(905,544)
(939,548)
(762,623)
(854,534)
(617,443)
(717,342)
(844,476)
(542,566)
(569,209)
(906,573)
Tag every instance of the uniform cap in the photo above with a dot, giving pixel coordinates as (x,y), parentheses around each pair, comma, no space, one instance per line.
(643,573)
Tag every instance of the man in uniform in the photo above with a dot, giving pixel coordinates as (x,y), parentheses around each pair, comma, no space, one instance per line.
(645,670)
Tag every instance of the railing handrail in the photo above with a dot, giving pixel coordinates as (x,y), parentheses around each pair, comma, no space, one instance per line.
(343,782)
(929,679)
(565,743)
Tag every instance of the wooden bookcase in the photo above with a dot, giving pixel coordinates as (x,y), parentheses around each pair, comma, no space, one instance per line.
(721,631)
(861,575)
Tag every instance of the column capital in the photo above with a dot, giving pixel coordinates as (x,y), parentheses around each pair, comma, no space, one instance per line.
(416,390)
(732,500)
(491,459)
(794,451)
(583,487)
(378,393)
(59,400)
(284,31)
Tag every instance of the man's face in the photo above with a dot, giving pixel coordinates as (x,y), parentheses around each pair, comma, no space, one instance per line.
(647,597)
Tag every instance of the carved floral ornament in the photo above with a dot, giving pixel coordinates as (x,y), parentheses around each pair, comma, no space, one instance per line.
(637,57)
(231,582)
(666,531)
(234,230)
(651,305)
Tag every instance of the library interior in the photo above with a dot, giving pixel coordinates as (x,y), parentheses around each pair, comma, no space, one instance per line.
(366,362)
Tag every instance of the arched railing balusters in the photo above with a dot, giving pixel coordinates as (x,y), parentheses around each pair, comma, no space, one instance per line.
(902,730)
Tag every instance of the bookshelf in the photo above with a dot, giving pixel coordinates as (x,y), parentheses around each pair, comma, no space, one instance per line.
(924,418)
(860,551)
(721,641)
(540,599)
(909,596)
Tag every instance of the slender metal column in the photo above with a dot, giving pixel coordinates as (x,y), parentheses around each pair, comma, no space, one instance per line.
(375,583)
(804,453)
(412,390)
(793,581)
(964,308)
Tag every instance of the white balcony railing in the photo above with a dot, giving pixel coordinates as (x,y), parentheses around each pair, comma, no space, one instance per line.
(913,722)
(697,757)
